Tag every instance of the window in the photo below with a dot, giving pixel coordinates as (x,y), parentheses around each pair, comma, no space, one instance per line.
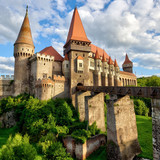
(80,64)
(83,55)
(44,75)
(66,65)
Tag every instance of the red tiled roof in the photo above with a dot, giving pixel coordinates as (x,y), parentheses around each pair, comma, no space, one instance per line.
(52,52)
(79,57)
(100,51)
(25,35)
(127,73)
(110,61)
(76,30)
(97,54)
(115,63)
(66,57)
(127,60)
(104,57)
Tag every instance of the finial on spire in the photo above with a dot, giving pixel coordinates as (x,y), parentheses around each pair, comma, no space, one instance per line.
(27,9)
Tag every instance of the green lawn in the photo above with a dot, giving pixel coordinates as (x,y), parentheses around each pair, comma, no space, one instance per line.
(144,125)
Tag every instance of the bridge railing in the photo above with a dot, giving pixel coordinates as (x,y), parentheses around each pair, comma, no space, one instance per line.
(148,92)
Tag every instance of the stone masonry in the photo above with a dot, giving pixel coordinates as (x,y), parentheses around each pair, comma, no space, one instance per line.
(156,128)
(122,136)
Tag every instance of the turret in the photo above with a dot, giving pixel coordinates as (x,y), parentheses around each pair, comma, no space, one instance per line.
(105,70)
(116,70)
(66,66)
(127,65)
(98,68)
(111,72)
(23,49)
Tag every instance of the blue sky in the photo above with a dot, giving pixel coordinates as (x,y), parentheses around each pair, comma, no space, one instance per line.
(118,26)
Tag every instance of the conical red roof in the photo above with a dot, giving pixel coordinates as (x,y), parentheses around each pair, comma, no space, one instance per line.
(76,30)
(66,57)
(127,60)
(115,63)
(25,35)
(110,62)
(97,55)
(104,57)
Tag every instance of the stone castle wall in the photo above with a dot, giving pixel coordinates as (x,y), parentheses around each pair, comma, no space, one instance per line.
(6,85)
(82,151)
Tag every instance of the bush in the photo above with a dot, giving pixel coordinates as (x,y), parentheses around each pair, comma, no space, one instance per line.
(57,152)
(93,129)
(140,107)
(18,148)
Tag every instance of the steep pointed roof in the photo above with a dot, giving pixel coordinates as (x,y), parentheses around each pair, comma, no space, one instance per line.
(127,60)
(52,52)
(76,30)
(104,57)
(66,57)
(110,62)
(115,63)
(100,51)
(25,35)
(97,55)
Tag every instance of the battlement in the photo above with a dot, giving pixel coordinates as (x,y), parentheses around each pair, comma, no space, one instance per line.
(42,57)
(24,54)
(58,78)
(7,77)
(44,82)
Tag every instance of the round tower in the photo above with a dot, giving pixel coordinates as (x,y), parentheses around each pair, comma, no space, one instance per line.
(127,65)
(23,49)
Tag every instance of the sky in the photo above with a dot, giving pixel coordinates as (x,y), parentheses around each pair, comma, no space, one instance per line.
(117,26)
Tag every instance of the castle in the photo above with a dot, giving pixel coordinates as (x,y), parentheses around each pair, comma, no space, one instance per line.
(47,74)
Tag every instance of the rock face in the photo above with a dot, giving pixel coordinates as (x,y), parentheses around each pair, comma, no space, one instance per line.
(7,120)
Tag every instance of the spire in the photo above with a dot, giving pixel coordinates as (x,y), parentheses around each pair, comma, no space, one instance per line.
(104,58)
(66,57)
(97,55)
(110,62)
(25,36)
(127,60)
(115,63)
(76,30)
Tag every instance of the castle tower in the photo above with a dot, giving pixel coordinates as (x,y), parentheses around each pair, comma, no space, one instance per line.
(23,49)
(77,47)
(127,65)
(97,72)
(111,72)
(66,66)
(105,71)
(116,77)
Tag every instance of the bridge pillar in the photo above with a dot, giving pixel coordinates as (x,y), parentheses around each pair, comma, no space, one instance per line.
(156,128)
(91,108)
(122,134)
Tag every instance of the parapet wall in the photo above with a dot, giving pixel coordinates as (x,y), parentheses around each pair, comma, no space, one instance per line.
(82,151)
(7,77)
(58,78)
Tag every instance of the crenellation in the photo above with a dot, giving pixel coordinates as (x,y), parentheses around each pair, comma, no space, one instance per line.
(7,77)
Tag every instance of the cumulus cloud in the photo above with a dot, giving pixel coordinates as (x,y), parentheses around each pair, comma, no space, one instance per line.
(118,26)
(6,65)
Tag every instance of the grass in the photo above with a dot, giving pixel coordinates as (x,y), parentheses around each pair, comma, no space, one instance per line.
(4,135)
(144,125)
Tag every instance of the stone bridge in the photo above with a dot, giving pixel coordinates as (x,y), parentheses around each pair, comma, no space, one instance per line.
(122,136)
